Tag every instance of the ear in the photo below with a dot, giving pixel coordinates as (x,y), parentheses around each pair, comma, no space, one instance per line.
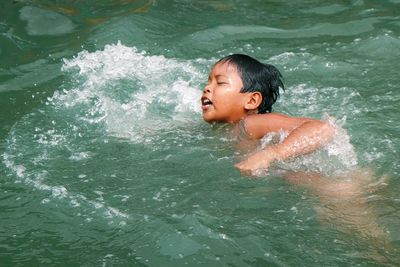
(253,100)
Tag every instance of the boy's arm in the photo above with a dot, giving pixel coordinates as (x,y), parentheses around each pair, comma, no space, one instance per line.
(305,136)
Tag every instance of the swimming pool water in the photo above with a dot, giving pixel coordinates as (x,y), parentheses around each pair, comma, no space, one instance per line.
(105,160)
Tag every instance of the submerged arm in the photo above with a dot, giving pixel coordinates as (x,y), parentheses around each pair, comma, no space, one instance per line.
(306,136)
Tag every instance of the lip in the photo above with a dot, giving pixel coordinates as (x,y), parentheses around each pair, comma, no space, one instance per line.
(206,103)
(205,107)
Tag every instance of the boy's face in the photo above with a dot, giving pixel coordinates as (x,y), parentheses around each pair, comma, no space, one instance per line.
(221,100)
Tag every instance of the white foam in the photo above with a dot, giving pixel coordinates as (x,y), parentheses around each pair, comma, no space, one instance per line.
(334,158)
(129,91)
(78,156)
(340,146)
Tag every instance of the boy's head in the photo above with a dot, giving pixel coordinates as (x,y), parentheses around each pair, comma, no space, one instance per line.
(257,77)
(239,85)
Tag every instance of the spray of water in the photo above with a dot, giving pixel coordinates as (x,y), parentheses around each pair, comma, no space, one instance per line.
(130,92)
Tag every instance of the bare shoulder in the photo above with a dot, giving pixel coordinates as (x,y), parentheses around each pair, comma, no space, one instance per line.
(258,125)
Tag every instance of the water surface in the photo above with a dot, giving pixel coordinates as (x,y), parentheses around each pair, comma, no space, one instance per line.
(105,160)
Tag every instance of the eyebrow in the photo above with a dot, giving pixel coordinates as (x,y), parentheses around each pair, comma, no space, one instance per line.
(218,76)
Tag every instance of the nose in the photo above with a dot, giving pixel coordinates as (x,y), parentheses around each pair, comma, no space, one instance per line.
(207,89)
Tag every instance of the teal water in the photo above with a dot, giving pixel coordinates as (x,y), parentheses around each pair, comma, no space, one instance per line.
(105,160)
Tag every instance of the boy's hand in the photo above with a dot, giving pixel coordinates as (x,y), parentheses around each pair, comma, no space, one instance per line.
(260,160)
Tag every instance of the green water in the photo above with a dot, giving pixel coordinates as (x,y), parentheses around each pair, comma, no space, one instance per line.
(105,160)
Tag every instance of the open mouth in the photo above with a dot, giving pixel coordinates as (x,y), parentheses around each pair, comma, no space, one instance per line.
(205,103)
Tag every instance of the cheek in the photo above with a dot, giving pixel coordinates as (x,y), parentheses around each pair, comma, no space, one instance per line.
(226,94)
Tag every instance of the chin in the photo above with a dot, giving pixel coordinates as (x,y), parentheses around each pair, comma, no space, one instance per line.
(208,118)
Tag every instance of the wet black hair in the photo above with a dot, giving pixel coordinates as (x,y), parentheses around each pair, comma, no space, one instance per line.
(257,77)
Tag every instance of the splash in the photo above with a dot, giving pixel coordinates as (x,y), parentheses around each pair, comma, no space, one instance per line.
(334,158)
(130,92)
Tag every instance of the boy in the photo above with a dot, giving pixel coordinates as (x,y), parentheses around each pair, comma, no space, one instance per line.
(241,90)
